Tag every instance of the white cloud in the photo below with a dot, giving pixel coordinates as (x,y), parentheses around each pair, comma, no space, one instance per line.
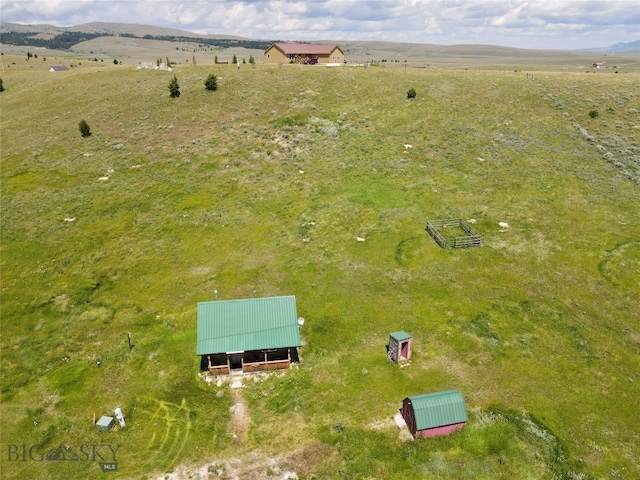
(520,23)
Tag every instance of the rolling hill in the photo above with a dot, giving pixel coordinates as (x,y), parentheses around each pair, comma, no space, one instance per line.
(105,40)
(319,182)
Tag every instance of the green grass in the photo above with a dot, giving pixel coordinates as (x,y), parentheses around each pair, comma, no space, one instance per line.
(261,188)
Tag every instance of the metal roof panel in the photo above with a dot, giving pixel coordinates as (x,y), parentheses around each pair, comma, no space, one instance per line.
(400,335)
(305,48)
(438,409)
(248,324)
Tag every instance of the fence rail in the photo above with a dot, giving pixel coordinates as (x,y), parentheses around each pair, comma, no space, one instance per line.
(263,366)
(471,239)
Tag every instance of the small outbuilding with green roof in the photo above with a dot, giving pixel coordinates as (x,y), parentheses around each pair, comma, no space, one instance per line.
(434,414)
(248,335)
(400,346)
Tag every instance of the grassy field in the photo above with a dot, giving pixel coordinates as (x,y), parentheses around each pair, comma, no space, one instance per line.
(261,188)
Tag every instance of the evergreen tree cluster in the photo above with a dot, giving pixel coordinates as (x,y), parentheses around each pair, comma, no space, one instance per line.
(65,40)
(210,84)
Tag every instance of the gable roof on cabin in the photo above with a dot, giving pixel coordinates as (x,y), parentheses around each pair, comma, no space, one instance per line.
(438,409)
(229,326)
(305,48)
(58,68)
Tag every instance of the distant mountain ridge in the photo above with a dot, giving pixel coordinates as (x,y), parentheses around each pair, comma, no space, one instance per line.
(109,29)
(104,28)
(66,38)
(618,47)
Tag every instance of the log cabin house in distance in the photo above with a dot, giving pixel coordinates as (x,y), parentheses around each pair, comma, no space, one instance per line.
(248,335)
(306,53)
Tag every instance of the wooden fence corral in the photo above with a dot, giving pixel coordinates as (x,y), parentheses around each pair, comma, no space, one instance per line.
(471,238)
(433,231)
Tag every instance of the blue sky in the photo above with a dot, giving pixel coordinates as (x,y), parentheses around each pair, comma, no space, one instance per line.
(552,24)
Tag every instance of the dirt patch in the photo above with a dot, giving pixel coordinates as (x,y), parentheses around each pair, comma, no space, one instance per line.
(307,460)
(258,466)
(240,416)
(61,302)
(252,466)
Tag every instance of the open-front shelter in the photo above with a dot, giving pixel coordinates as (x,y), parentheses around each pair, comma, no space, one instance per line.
(248,335)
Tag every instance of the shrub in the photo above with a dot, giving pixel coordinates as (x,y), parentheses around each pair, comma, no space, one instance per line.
(593,113)
(211,83)
(174,88)
(85,130)
(411,93)
(1,86)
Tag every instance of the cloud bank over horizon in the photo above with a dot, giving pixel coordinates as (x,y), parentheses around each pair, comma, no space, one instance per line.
(558,24)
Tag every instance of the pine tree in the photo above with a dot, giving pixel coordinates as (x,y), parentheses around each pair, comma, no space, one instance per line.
(211,83)
(1,86)
(85,130)
(174,88)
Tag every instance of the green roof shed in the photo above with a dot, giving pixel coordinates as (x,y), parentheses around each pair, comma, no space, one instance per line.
(434,413)
(400,346)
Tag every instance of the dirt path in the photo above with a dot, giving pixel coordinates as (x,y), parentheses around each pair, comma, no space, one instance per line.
(240,416)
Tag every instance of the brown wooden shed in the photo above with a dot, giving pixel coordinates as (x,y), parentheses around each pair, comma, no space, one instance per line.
(400,346)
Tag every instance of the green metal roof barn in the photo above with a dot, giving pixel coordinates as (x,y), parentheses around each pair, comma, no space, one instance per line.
(259,331)
(434,413)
